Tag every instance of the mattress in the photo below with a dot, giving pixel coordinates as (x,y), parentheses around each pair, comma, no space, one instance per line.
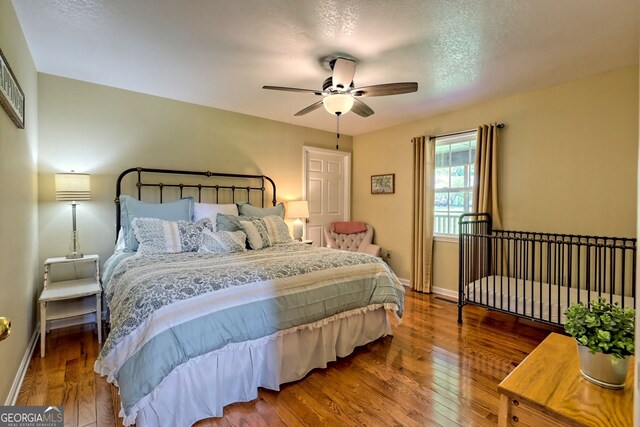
(523,297)
(172,314)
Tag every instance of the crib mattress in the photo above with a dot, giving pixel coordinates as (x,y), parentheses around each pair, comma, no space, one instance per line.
(536,300)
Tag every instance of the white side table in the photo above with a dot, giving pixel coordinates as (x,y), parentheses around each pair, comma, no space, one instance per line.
(70,298)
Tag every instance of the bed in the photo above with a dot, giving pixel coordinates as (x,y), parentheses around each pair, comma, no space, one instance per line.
(194,331)
(537,275)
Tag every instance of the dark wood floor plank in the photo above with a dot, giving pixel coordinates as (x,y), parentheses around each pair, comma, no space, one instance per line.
(104,403)
(38,392)
(325,405)
(271,417)
(86,388)
(431,372)
(291,411)
(245,414)
(213,422)
(358,402)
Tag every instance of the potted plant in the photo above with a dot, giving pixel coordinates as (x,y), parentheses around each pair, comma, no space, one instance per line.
(605,336)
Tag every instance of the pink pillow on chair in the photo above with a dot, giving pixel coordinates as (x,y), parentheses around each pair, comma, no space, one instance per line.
(348,227)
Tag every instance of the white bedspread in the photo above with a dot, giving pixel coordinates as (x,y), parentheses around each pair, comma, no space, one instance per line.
(203,386)
(213,328)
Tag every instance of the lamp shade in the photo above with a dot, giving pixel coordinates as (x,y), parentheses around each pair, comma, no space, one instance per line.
(298,209)
(339,103)
(73,186)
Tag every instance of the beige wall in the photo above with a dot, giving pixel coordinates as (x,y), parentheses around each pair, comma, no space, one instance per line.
(18,210)
(568,163)
(636,406)
(102,131)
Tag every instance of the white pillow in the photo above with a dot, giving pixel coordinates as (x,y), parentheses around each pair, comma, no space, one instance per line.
(277,229)
(211,210)
(120,246)
(257,234)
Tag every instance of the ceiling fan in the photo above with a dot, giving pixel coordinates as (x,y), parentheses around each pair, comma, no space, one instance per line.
(339,94)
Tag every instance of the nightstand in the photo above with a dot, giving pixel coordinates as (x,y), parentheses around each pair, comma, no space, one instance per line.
(70,298)
(546,389)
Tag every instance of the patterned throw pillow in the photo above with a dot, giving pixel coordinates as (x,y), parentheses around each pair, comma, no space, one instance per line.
(130,208)
(256,232)
(157,236)
(277,229)
(219,242)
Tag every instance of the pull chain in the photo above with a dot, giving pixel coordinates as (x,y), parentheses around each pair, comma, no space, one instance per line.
(338,132)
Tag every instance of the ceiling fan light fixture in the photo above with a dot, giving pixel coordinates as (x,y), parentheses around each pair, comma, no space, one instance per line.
(338,103)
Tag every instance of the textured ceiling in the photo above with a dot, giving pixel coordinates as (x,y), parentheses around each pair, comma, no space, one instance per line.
(220,53)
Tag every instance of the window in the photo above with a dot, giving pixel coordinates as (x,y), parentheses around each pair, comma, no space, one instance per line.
(454,169)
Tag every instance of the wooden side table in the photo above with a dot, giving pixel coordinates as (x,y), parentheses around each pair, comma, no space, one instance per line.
(70,298)
(546,389)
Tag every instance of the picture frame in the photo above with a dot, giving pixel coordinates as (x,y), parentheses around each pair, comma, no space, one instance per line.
(383,184)
(11,94)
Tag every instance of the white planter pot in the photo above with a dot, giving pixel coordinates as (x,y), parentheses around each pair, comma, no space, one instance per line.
(602,369)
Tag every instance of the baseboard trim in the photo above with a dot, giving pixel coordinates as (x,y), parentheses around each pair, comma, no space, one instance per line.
(446,292)
(22,370)
(436,290)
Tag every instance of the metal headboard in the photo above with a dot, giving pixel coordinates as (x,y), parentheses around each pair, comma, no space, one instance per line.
(251,182)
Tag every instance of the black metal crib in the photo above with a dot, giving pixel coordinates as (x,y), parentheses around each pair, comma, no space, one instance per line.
(538,275)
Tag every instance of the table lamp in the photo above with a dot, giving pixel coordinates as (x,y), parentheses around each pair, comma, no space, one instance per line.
(73,187)
(297,209)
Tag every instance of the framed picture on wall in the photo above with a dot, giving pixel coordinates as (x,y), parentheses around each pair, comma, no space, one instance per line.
(11,95)
(383,184)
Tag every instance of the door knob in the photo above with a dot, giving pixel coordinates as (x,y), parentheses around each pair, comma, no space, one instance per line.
(5,327)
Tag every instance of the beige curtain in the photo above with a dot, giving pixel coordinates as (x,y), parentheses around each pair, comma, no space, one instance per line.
(485,189)
(423,199)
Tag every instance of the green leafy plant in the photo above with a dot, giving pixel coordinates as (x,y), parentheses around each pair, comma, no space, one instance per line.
(603,327)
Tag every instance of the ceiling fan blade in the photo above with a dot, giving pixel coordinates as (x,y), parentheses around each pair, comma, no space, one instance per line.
(343,71)
(309,109)
(292,89)
(361,109)
(386,89)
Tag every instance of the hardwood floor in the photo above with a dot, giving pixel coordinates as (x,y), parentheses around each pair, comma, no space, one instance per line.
(431,372)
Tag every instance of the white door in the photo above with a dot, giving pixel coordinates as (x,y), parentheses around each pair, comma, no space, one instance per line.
(327,188)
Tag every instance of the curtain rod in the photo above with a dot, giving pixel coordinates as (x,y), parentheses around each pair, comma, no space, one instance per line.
(500,126)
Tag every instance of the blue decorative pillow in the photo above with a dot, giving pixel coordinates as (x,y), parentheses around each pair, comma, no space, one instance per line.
(220,242)
(157,236)
(226,222)
(247,209)
(130,208)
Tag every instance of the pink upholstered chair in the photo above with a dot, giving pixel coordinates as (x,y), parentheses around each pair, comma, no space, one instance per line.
(351,236)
